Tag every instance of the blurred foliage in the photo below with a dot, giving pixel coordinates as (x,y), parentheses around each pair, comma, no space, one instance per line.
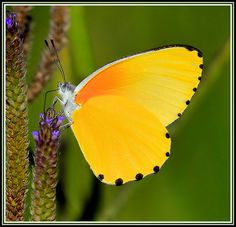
(194,183)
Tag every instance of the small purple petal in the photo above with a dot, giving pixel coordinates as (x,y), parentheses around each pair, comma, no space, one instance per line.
(48,121)
(61,118)
(10,19)
(59,121)
(35,135)
(55,134)
(41,115)
(9,22)
(41,123)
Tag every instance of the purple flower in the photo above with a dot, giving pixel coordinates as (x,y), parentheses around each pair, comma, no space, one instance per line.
(41,115)
(60,119)
(36,135)
(49,125)
(55,134)
(48,121)
(9,22)
(46,161)
(10,19)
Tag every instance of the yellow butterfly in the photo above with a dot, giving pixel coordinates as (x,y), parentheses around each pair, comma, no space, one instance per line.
(120,112)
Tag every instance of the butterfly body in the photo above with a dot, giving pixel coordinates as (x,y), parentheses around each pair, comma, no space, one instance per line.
(66,91)
(120,112)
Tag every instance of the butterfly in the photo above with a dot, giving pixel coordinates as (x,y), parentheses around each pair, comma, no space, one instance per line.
(119,113)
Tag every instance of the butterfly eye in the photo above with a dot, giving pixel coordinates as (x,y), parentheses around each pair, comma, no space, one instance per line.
(62,86)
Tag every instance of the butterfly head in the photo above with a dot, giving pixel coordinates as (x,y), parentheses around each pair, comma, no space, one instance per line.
(66,91)
(64,88)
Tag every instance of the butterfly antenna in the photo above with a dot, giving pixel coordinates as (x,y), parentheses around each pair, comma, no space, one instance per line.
(45,98)
(58,59)
(53,52)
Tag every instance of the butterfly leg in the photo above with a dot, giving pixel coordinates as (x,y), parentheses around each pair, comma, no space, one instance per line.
(61,112)
(55,101)
(65,126)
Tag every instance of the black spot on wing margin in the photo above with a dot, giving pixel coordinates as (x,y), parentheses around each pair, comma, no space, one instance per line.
(156,169)
(139,176)
(100,177)
(119,182)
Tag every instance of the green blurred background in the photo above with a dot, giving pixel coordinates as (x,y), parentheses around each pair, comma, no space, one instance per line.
(194,184)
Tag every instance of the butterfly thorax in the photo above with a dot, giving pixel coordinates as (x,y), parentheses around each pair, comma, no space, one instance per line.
(66,91)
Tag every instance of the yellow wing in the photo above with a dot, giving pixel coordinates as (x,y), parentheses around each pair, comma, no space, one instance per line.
(121,140)
(161,80)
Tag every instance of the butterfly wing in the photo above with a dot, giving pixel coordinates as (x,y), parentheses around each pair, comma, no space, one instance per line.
(162,80)
(120,139)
